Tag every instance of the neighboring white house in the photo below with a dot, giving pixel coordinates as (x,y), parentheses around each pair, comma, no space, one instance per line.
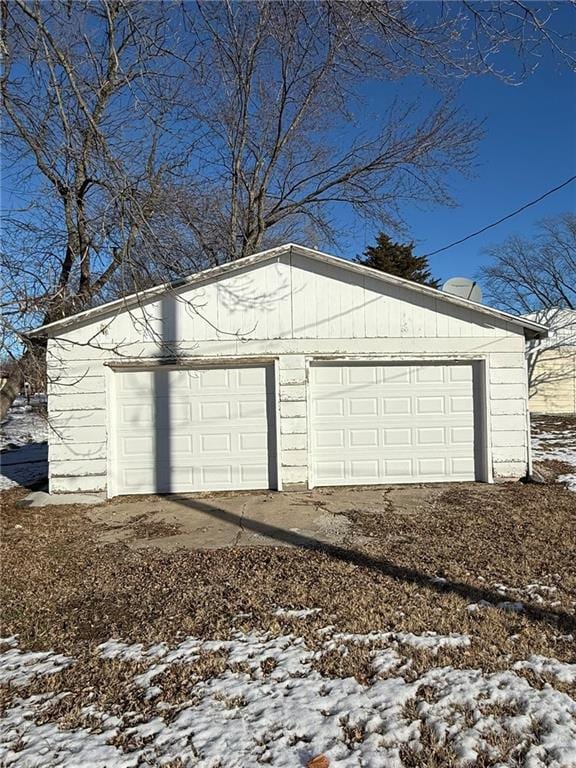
(289,367)
(552,364)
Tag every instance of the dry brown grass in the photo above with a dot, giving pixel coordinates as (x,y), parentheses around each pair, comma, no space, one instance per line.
(63,590)
(352,733)
(110,686)
(348,661)
(560,428)
(502,746)
(153,529)
(179,680)
(106,683)
(481,535)
(551,469)
(430,753)
(539,680)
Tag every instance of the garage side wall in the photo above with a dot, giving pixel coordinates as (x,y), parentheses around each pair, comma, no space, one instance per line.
(294,312)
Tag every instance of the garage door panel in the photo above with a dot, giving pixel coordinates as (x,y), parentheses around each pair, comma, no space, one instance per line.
(397,405)
(142,447)
(432,466)
(324,375)
(368,468)
(193,429)
(328,407)
(460,404)
(398,468)
(429,436)
(252,441)
(364,438)
(463,465)
(143,384)
(363,375)
(216,443)
(430,405)
(397,437)
(395,375)
(255,473)
(136,415)
(251,377)
(250,409)
(328,438)
(430,374)
(460,374)
(363,406)
(210,411)
(462,435)
(213,379)
(330,472)
(384,424)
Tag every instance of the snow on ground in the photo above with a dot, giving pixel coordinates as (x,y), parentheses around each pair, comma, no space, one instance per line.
(271,706)
(18,667)
(558,443)
(24,451)
(516,597)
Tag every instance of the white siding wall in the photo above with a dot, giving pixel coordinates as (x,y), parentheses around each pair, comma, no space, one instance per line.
(293,309)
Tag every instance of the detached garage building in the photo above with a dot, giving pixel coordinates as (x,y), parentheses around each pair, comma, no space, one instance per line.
(289,367)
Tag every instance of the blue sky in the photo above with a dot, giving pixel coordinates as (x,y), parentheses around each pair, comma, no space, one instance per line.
(529,146)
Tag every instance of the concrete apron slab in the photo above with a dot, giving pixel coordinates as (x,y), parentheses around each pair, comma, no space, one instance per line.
(244,519)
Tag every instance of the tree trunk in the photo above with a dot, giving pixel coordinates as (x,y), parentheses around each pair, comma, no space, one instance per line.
(9,391)
(31,367)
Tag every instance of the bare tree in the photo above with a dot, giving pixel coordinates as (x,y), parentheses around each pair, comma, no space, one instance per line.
(289,137)
(537,277)
(88,94)
(535,274)
(151,139)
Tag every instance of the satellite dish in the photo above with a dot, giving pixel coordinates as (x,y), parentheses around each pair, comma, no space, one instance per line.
(463,287)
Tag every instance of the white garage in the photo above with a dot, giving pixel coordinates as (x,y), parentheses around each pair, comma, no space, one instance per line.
(287,369)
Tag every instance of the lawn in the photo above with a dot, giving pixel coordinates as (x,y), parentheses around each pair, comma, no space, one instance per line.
(445,638)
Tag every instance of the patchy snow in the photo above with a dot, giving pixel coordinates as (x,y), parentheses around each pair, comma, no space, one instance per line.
(569,481)
(505,605)
(289,713)
(17,667)
(516,597)
(513,607)
(24,450)
(475,607)
(566,673)
(302,613)
(431,641)
(558,444)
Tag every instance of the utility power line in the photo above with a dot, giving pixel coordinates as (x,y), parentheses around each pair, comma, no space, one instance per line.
(504,218)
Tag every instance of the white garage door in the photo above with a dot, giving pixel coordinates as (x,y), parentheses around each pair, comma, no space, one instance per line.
(391,423)
(193,430)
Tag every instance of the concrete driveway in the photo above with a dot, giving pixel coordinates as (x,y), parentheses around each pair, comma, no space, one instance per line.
(321,516)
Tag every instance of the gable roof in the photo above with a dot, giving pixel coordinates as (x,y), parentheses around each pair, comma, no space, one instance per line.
(531,328)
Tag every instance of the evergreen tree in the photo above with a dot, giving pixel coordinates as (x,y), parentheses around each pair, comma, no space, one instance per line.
(398,259)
